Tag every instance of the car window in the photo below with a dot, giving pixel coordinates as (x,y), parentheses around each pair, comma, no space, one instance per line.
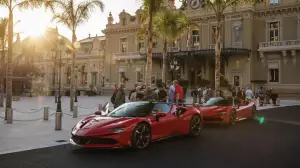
(162,107)
(132,109)
(213,101)
(223,102)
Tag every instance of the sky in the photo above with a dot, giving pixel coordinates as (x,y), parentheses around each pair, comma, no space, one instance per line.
(33,22)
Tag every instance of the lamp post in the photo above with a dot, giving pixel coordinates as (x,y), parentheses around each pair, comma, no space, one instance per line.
(175,66)
(58,115)
(54,54)
(75,99)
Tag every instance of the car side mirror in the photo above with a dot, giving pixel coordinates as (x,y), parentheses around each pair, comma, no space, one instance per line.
(159,115)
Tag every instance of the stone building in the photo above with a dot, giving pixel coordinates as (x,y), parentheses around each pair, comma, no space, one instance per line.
(41,52)
(260,46)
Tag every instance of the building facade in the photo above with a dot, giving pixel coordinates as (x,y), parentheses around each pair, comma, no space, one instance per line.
(260,46)
(46,56)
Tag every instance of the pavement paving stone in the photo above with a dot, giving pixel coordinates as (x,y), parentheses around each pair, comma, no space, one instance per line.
(28,134)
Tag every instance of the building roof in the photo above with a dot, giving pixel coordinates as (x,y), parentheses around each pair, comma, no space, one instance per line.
(91,39)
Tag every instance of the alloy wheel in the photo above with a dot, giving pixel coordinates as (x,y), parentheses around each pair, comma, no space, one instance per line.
(142,136)
(196,125)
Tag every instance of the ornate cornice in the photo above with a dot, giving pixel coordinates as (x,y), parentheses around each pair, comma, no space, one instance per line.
(277,10)
(122,30)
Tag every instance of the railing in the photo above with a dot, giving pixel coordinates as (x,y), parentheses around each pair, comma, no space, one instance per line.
(211,46)
(128,55)
(173,49)
(279,43)
(194,48)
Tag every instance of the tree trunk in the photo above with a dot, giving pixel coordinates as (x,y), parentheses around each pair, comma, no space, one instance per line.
(9,62)
(2,72)
(149,52)
(72,91)
(164,61)
(217,58)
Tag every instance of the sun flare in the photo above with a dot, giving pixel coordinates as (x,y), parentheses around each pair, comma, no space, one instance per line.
(36,31)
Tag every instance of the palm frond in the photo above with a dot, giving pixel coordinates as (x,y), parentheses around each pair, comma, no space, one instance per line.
(63,19)
(84,9)
(25,4)
(4,3)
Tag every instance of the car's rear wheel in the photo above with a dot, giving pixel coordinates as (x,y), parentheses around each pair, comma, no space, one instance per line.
(141,136)
(195,126)
(232,118)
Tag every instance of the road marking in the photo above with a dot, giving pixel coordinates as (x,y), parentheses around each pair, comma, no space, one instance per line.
(284,122)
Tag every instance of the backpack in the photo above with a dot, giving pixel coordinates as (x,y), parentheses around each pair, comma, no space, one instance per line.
(113,98)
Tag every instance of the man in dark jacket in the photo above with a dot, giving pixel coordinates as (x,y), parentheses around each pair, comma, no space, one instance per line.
(132,91)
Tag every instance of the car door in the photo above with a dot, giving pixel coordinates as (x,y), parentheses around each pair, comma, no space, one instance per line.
(163,126)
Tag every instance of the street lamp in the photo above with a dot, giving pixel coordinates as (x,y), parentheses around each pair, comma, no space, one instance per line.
(58,114)
(175,67)
(54,54)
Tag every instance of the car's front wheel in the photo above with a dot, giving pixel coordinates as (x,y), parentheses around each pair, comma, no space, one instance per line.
(232,118)
(141,136)
(195,126)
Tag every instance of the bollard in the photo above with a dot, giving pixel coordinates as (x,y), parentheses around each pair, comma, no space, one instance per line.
(100,107)
(58,117)
(9,116)
(75,111)
(46,113)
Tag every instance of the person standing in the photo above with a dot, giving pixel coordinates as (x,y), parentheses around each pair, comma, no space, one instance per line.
(171,92)
(178,96)
(133,96)
(199,95)
(162,93)
(249,95)
(120,97)
(194,94)
(260,94)
(132,91)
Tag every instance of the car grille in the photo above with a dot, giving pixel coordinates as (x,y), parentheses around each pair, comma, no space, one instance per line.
(91,140)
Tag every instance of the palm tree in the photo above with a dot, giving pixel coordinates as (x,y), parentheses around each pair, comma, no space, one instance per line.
(218,7)
(150,8)
(11,5)
(170,25)
(3,42)
(72,15)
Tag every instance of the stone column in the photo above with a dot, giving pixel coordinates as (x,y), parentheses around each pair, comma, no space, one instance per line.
(293,53)
(262,58)
(284,54)
(298,29)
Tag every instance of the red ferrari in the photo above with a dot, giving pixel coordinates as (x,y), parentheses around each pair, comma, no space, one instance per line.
(222,111)
(136,125)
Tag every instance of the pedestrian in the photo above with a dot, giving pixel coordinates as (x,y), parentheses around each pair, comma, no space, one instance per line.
(199,95)
(249,95)
(260,94)
(178,96)
(134,94)
(194,94)
(162,93)
(120,96)
(113,97)
(132,91)
(171,92)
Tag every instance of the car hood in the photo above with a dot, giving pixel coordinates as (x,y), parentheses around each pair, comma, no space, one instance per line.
(100,121)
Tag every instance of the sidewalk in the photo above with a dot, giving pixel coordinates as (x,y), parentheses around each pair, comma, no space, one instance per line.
(30,131)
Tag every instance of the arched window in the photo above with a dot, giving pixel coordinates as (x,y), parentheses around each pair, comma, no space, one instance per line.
(84,75)
(68,75)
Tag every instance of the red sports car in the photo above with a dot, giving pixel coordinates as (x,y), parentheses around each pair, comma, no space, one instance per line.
(136,124)
(222,111)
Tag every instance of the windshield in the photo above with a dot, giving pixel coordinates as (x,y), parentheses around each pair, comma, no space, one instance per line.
(132,109)
(213,101)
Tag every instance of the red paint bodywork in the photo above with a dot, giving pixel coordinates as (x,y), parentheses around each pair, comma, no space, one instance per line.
(99,127)
(221,114)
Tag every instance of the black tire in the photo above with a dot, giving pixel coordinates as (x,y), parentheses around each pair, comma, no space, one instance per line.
(195,126)
(232,119)
(141,136)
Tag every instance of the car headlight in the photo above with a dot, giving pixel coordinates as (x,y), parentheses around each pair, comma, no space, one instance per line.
(117,130)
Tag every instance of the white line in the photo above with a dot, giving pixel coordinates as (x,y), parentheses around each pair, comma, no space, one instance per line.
(284,122)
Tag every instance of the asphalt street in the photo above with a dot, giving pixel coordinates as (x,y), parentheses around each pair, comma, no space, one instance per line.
(247,144)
